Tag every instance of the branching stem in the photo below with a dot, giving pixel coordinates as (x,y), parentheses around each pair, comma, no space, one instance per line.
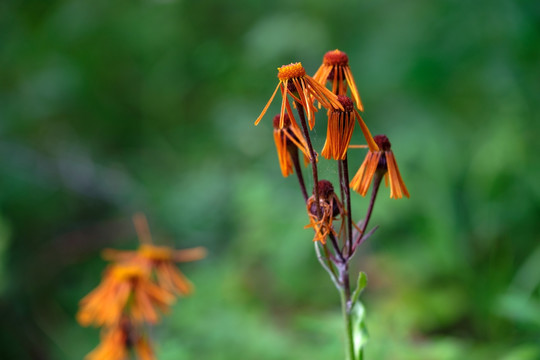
(377,178)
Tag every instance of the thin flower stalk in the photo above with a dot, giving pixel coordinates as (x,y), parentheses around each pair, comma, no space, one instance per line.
(375,190)
(312,158)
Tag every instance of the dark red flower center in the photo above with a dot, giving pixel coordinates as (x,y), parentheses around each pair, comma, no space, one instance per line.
(382,142)
(336,57)
(325,189)
(348,105)
(286,121)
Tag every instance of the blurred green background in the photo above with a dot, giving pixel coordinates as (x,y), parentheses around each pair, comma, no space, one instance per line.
(112,107)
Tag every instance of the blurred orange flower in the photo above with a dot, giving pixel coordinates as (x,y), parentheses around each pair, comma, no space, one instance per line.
(113,345)
(133,290)
(161,260)
(158,259)
(117,341)
(131,282)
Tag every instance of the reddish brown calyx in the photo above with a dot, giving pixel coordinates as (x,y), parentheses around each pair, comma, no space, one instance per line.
(382,142)
(348,105)
(326,189)
(336,57)
(286,121)
(328,200)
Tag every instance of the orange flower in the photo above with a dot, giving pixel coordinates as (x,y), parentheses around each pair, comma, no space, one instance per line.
(340,129)
(335,68)
(303,89)
(113,345)
(287,139)
(161,259)
(118,340)
(143,349)
(132,292)
(382,160)
(330,209)
(122,283)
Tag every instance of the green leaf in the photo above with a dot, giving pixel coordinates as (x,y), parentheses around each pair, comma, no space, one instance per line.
(360,333)
(362,282)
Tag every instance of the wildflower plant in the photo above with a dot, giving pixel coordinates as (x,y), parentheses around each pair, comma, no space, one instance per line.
(137,288)
(337,237)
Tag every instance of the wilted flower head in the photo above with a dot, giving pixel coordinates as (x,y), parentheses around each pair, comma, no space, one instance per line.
(135,289)
(106,304)
(340,130)
(335,68)
(384,161)
(288,140)
(161,261)
(303,89)
(330,207)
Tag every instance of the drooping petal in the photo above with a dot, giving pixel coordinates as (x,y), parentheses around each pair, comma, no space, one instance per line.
(354,89)
(283,155)
(361,181)
(367,134)
(267,105)
(323,95)
(338,135)
(356,181)
(193,254)
(283,104)
(144,350)
(396,181)
(370,171)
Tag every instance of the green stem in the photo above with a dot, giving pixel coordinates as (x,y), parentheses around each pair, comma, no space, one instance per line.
(328,266)
(346,306)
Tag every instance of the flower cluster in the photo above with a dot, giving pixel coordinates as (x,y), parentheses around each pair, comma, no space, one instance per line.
(136,288)
(304,91)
